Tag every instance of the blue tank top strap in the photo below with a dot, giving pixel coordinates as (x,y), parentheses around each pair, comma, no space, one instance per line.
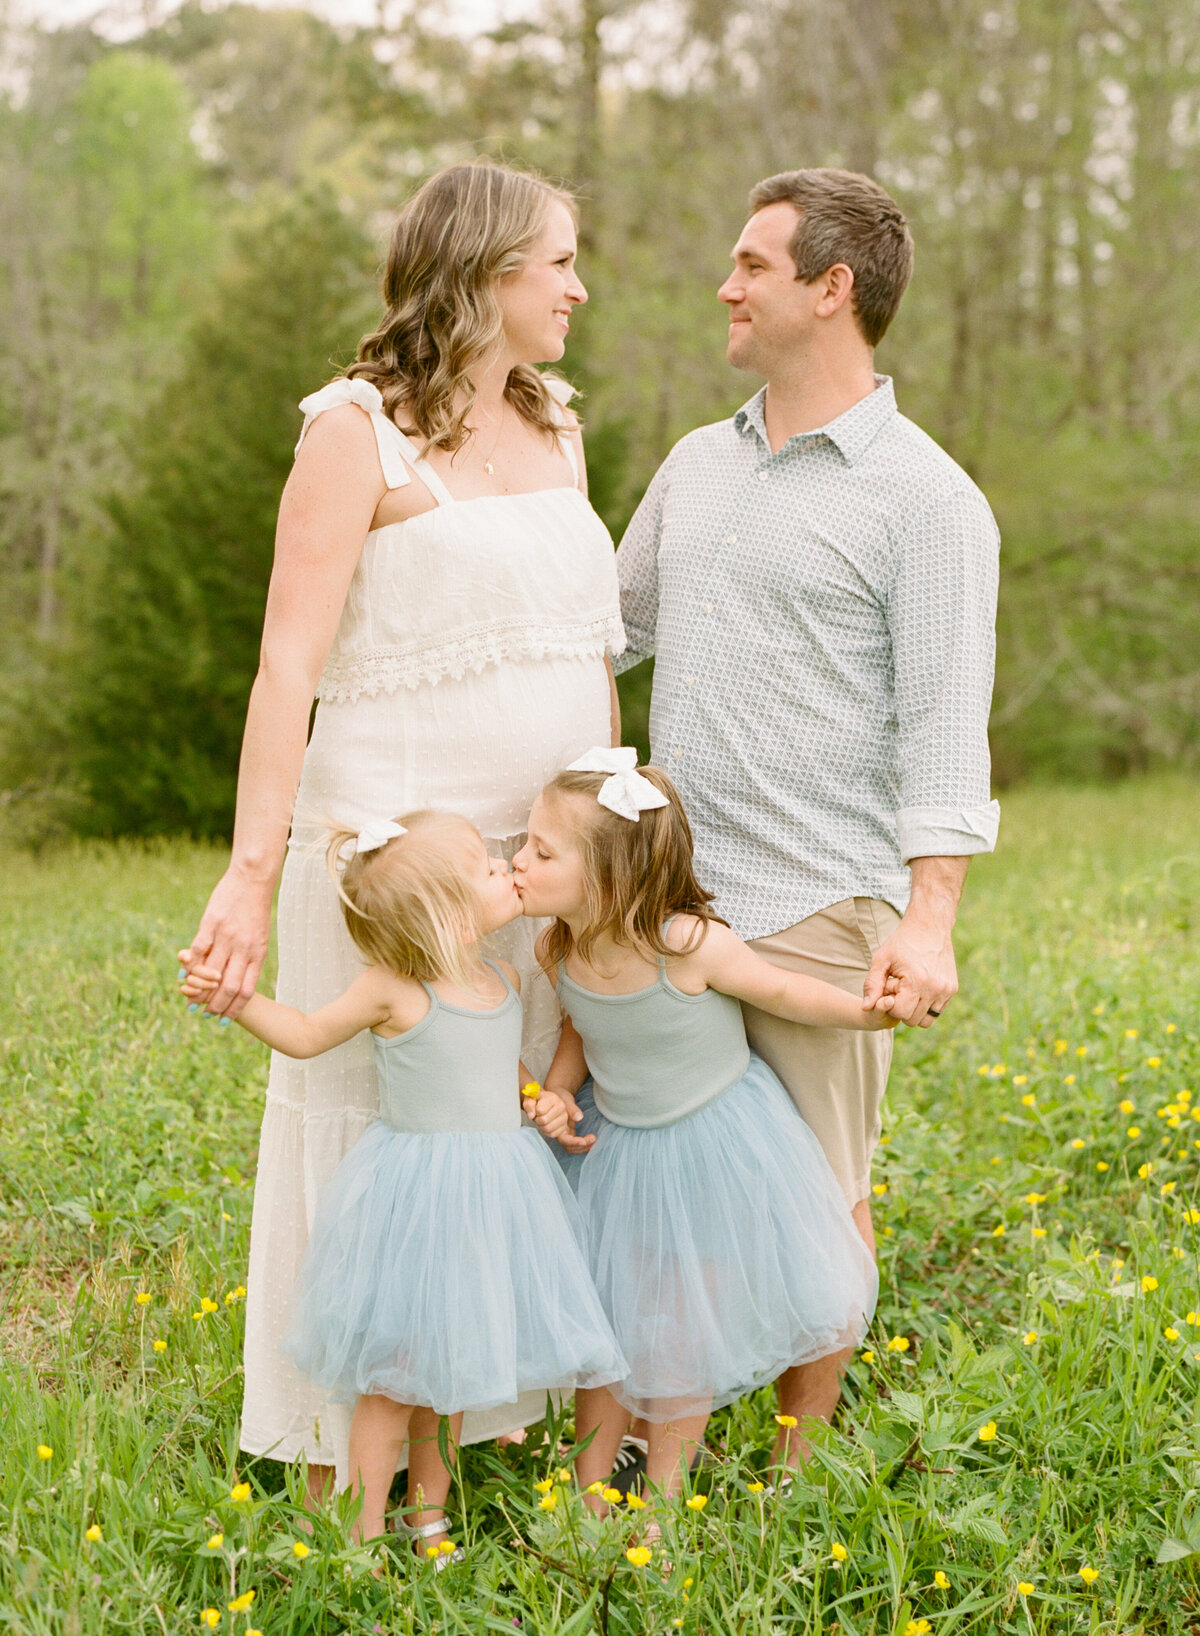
(509,991)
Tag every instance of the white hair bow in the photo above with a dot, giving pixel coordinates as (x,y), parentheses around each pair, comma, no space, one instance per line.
(625,791)
(376,834)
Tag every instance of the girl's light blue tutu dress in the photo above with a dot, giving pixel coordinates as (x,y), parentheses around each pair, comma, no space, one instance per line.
(721,1244)
(445,1266)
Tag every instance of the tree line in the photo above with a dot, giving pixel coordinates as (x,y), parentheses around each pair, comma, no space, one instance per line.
(190,226)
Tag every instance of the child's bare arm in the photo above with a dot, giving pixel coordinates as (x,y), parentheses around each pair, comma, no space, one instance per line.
(367,1003)
(726,963)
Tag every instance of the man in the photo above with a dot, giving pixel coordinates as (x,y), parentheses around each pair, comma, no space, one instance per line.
(817,581)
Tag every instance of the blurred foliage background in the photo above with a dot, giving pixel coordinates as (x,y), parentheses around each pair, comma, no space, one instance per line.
(191,221)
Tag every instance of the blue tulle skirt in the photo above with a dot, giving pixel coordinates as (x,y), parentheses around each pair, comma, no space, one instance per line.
(722,1248)
(447,1270)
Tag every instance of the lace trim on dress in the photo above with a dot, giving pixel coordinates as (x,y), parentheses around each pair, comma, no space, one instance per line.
(384,670)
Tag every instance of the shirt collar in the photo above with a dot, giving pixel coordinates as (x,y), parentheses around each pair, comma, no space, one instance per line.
(851,433)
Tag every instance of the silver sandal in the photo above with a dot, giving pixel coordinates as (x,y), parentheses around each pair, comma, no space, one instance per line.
(412,1532)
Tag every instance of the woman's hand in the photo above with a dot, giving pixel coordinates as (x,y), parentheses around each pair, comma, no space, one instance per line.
(232,940)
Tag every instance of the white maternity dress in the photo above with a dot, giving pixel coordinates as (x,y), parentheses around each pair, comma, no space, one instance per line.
(467,668)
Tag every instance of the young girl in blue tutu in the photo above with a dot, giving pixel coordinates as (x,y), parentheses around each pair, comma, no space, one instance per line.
(722,1247)
(444,1268)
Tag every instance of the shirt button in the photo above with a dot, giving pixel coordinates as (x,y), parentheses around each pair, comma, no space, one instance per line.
(763,475)
(708,607)
(676,752)
(690,680)
(731,539)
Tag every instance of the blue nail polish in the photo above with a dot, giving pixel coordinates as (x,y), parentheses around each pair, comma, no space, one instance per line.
(181,974)
(194,1006)
(225,1021)
(208,1015)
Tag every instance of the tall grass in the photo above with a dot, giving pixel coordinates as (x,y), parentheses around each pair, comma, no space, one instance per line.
(1039,1217)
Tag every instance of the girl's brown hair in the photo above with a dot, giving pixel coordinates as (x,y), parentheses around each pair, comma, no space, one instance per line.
(636,875)
(464,230)
(407,904)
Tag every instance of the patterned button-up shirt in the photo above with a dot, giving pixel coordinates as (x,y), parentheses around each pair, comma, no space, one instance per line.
(822,621)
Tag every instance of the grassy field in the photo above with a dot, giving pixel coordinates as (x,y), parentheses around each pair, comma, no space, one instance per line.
(1019,1449)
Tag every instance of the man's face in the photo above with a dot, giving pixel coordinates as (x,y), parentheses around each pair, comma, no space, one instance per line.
(770,311)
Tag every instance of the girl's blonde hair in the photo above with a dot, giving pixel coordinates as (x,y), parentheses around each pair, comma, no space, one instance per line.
(636,875)
(464,230)
(408,904)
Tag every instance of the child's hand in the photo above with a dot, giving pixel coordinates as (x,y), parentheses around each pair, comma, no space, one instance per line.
(549,1113)
(199,983)
(880,1013)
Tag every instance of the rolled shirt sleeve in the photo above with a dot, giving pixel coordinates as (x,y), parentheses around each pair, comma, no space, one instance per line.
(637,571)
(941,613)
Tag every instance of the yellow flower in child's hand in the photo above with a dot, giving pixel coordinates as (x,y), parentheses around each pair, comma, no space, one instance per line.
(696,1502)
(987,1434)
(300,1549)
(210,1617)
(93,1534)
(1025,1587)
(44,1451)
(899,1343)
(940,1581)
(242,1602)
(611,1495)
(214,1542)
(838,1552)
(533,1090)
(240,1492)
(639,1555)
(635,1502)
(1089,1575)
(787,1420)
(143,1298)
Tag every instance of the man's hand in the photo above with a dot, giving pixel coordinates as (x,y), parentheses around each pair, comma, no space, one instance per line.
(915,965)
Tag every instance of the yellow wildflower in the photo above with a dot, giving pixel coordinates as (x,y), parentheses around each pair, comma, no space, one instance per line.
(143,1298)
(1081,1050)
(1024,1587)
(1101,1165)
(1166,1190)
(594,1488)
(1134,1132)
(1078,1142)
(1131,1033)
(431,1551)
(1170,1028)
(838,1552)
(1029,1337)
(755,1488)
(940,1581)
(446,1548)
(1171,1333)
(639,1555)
(1126,1106)
(1020,1079)
(1098,1010)
(1144,1171)
(207,1305)
(548,1501)
(1035,1198)
(300,1549)
(611,1495)
(160,1346)
(999,1230)
(1149,1284)
(1154,1062)
(562,1475)
(879,1189)
(544,1487)
(1068,1079)
(215,1541)
(242,1602)
(917,1627)
(1192,1319)
(1191,1217)
(899,1343)
(635,1502)
(1039,1232)
(867,1356)
(44,1451)
(1029,1100)
(787,1420)
(987,1434)
(210,1617)
(696,1502)
(1089,1575)
(1060,1048)
(240,1492)
(93,1534)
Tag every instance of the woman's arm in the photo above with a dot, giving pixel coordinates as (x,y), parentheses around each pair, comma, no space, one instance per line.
(724,962)
(325,514)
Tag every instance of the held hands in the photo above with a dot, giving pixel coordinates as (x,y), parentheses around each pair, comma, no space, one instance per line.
(198,984)
(913,975)
(232,940)
(556,1113)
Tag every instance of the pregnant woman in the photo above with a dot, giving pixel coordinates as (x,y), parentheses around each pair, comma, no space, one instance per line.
(445,590)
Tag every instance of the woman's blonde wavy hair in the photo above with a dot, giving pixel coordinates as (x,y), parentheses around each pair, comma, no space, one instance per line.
(407,904)
(636,875)
(464,230)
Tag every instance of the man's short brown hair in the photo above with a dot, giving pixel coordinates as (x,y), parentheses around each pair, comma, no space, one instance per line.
(848,218)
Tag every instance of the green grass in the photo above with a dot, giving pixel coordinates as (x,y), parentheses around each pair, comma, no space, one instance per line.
(127,1141)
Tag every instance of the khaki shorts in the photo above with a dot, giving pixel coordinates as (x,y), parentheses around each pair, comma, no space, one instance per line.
(835,1076)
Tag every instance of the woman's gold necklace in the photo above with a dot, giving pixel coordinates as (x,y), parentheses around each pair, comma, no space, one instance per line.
(487,464)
